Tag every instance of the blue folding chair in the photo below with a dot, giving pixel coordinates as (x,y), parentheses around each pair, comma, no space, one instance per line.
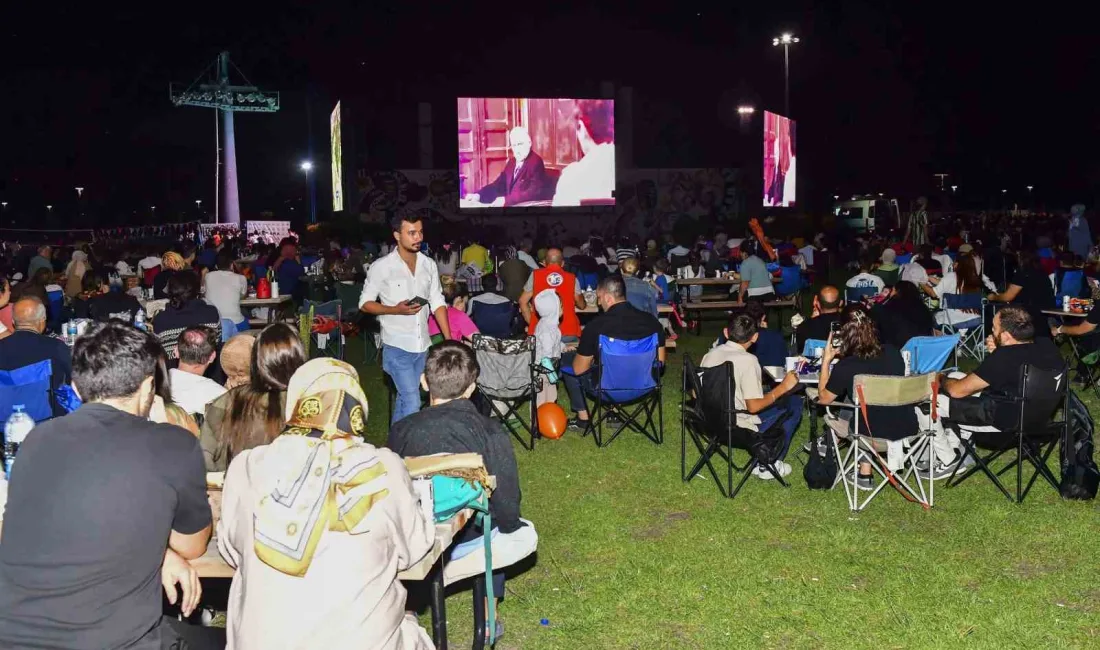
(929,353)
(494,319)
(29,386)
(626,384)
(970,330)
(54,307)
(812,344)
(1072,285)
(855,294)
(791,282)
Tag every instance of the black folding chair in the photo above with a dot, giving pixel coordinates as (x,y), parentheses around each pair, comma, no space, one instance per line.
(1034,437)
(709,418)
(509,377)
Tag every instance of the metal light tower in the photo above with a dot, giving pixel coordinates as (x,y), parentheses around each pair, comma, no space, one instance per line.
(786,40)
(218,93)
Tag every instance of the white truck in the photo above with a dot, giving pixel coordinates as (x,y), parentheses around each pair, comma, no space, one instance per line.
(867,214)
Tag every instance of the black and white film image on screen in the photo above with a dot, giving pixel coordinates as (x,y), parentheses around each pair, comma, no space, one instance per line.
(516,152)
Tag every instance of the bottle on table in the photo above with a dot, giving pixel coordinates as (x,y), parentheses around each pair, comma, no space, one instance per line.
(17,427)
(139,320)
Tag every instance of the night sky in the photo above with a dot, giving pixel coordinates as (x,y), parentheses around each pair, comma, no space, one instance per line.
(883,99)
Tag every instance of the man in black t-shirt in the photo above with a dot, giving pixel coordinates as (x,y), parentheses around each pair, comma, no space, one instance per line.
(108,304)
(619,321)
(104,506)
(1012,345)
(1085,328)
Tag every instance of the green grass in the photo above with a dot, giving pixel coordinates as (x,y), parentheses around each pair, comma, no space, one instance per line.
(630,556)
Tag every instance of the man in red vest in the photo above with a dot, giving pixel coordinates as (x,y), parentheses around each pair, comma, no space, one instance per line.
(553,276)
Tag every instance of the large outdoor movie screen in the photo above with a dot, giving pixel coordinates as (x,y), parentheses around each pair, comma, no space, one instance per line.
(337,146)
(535,152)
(779,160)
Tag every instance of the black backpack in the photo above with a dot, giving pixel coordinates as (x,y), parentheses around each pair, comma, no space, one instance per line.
(821,469)
(1080,476)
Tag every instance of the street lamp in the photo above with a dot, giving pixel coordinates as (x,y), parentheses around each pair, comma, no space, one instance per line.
(307,166)
(786,40)
(953,188)
(49,208)
(1029,188)
(745,110)
(79,192)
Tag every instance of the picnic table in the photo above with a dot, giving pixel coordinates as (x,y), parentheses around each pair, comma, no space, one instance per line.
(270,303)
(1075,351)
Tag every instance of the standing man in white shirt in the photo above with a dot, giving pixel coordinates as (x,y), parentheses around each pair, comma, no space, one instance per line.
(190,390)
(523,254)
(224,289)
(398,286)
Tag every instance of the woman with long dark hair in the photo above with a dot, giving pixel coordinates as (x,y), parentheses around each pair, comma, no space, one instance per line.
(251,415)
(966,279)
(861,352)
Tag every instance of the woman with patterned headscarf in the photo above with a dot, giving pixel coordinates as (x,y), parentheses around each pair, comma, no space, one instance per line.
(318,524)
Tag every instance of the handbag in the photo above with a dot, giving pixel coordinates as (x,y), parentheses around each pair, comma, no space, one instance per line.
(452,495)
(821,469)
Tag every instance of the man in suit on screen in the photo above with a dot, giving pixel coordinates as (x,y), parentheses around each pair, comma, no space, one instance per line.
(524,177)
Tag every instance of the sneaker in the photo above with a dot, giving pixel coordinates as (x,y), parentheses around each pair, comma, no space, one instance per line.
(942,470)
(761,472)
(865,482)
(577,424)
(672,337)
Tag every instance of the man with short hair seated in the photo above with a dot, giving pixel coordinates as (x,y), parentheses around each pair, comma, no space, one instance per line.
(619,320)
(28,345)
(827,306)
(105,507)
(198,347)
(453,425)
(1012,345)
(763,409)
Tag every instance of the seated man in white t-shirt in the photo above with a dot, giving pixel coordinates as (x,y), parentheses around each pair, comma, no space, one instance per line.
(865,278)
(197,350)
(224,290)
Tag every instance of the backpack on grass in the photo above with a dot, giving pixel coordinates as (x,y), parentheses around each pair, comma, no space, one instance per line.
(1080,476)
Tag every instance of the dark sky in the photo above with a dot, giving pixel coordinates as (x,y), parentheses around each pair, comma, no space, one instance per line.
(884,98)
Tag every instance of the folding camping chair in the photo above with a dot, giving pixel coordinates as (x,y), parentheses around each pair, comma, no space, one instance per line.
(348,295)
(494,319)
(854,295)
(626,384)
(928,353)
(326,334)
(709,418)
(510,376)
(29,386)
(1034,437)
(889,391)
(971,330)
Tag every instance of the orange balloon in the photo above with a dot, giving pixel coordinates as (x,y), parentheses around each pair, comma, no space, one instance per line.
(552,421)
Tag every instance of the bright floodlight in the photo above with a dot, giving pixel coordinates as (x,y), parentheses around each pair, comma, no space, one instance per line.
(785,39)
(745,110)
(306,166)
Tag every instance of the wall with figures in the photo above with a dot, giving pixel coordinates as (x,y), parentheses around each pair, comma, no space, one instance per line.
(649,203)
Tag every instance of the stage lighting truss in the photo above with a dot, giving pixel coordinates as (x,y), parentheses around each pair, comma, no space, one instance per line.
(243,99)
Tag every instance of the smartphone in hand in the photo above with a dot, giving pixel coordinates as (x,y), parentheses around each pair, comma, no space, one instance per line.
(418,301)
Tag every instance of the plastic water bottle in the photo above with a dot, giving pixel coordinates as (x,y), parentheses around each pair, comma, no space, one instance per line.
(139,320)
(19,424)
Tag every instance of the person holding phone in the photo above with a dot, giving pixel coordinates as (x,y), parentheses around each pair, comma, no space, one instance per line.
(397,289)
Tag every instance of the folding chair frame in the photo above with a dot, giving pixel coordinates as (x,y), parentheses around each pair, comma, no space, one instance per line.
(693,425)
(629,413)
(517,426)
(972,342)
(861,448)
(1035,452)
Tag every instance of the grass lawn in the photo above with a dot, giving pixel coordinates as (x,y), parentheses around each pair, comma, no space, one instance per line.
(630,556)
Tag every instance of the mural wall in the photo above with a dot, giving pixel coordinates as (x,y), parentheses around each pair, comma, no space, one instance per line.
(649,202)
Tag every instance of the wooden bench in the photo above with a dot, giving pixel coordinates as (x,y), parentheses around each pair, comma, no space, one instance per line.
(727,305)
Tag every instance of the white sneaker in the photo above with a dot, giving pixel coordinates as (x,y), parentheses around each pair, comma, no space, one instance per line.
(761,472)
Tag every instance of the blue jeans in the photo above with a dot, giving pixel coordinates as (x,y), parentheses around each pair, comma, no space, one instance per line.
(790,404)
(405,369)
